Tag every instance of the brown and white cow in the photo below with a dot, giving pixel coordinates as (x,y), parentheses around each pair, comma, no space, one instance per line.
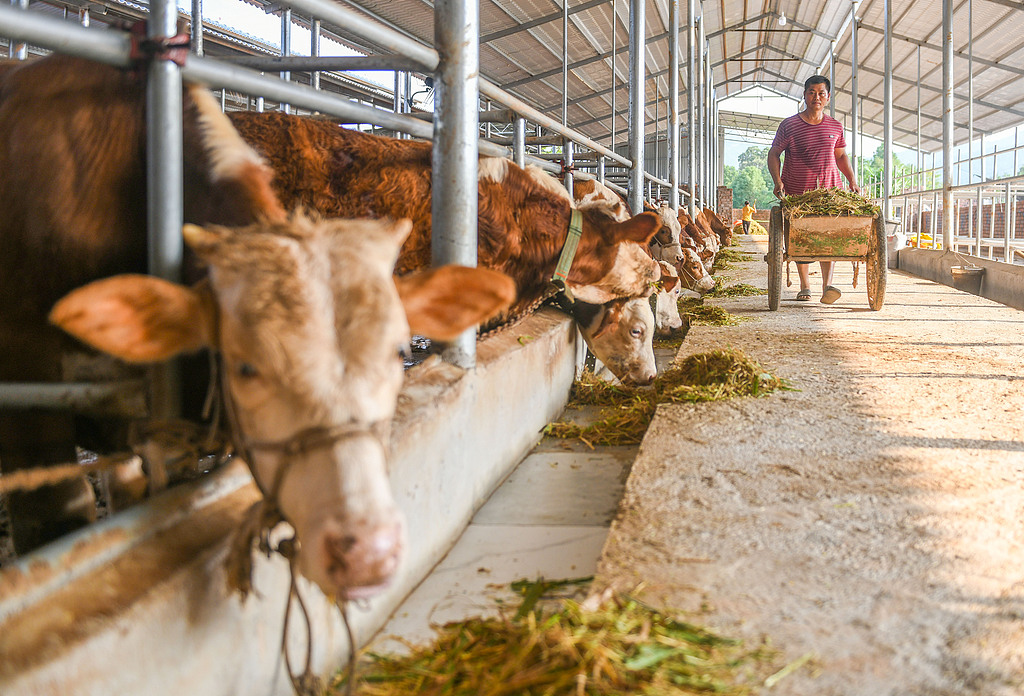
(523,220)
(304,311)
(705,241)
(620,334)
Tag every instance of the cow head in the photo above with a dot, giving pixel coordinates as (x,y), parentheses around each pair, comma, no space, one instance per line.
(693,274)
(594,194)
(613,262)
(310,325)
(666,303)
(620,334)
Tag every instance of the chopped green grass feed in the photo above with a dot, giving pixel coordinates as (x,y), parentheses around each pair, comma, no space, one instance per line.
(621,648)
(737,290)
(755,228)
(829,202)
(729,255)
(713,376)
(705,314)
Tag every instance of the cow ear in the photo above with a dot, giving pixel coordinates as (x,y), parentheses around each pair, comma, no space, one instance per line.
(669,282)
(639,228)
(136,318)
(441,303)
(612,316)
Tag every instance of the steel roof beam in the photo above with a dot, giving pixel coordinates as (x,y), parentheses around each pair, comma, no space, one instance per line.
(959,54)
(734,27)
(546,19)
(938,90)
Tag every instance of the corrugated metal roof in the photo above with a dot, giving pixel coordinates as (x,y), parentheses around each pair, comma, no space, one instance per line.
(747,46)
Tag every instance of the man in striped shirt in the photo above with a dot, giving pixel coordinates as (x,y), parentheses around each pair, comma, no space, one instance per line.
(815,156)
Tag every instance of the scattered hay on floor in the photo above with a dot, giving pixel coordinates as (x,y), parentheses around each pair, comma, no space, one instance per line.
(622,648)
(729,255)
(706,314)
(829,202)
(627,411)
(755,228)
(736,290)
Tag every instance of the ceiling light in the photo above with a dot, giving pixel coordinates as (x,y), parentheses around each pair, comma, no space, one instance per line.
(782,19)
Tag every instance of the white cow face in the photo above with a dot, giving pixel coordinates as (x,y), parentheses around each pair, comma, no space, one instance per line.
(621,335)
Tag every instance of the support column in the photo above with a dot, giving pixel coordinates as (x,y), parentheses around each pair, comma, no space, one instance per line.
(567,156)
(454,157)
(286,48)
(197,27)
(854,97)
(832,78)
(887,98)
(600,168)
(615,21)
(637,82)
(947,124)
(314,51)
(970,101)
(673,105)
(691,105)
(700,110)
(565,59)
(519,141)
(164,181)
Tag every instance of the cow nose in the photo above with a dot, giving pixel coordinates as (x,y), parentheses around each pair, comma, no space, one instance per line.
(361,564)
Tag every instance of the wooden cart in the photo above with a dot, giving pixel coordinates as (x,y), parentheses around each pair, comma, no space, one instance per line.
(826,239)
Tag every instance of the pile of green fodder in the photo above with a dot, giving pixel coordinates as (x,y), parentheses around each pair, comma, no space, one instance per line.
(729,255)
(829,202)
(735,290)
(627,411)
(620,647)
(706,314)
(755,228)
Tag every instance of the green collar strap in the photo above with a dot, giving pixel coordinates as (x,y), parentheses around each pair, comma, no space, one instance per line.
(572,240)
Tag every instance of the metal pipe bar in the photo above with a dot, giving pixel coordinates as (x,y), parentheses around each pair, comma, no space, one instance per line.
(165,185)
(1007,226)
(615,21)
(887,118)
(567,158)
(123,398)
(286,49)
(565,62)
(387,38)
(673,105)
(691,105)
(832,78)
(700,110)
(947,124)
(111,47)
(739,25)
(600,169)
(637,121)
(454,155)
(18,50)
(519,28)
(853,85)
(981,220)
(315,63)
(970,96)
(519,142)
(197,27)
(499,95)
(314,52)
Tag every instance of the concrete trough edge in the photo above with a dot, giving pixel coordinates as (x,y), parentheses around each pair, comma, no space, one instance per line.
(156,618)
(1001,282)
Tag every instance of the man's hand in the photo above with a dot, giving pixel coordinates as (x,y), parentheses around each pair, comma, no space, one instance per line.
(780,192)
(856,189)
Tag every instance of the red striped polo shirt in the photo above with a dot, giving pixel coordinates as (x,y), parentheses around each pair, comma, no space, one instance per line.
(810,154)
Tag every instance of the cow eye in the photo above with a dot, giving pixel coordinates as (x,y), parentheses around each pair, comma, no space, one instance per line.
(247,370)
(636,332)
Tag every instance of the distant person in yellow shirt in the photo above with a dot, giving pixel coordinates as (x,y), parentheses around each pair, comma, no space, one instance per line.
(747,214)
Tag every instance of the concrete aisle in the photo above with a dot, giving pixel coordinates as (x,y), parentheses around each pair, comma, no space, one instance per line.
(872,519)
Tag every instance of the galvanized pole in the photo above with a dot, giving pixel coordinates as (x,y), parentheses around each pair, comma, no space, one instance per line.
(920,155)
(673,105)
(454,158)
(519,141)
(947,124)
(396,102)
(165,188)
(853,88)
(637,83)
(565,59)
(615,21)
(314,51)
(567,159)
(19,50)
(691,105)
(197,27)
(701,111)
(600,168)
(832,79)
(286,48)
(887,99)
(970,100)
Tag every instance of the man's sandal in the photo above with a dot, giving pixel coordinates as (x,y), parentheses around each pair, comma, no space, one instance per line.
(804,295)
(831,294)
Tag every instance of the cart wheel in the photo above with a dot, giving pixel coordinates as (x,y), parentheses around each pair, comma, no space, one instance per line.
(877,265)
(774,258)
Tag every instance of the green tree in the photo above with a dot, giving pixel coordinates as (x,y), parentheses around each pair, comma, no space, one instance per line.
(730,175)
(750,185)
(871,171)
